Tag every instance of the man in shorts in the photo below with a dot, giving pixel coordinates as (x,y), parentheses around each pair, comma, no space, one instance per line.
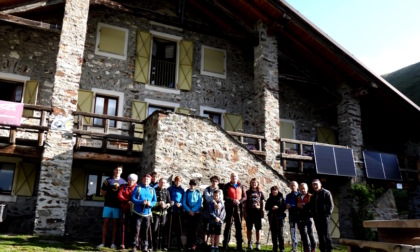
(109,191)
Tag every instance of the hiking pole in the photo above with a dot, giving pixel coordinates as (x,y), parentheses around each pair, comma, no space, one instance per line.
(123,229)
(230,229)
(182,234)
(170,228)
(158,238)
(269,231)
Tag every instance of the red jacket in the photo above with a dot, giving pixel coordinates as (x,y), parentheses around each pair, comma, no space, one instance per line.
(231,193)
(124,195)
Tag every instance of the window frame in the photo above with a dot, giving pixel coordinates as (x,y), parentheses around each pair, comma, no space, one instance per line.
(110,93)
(18,79)
(159,103)
(105,112)
(98,40)
(101,176)
(204,72)
(13,176)
(214,110)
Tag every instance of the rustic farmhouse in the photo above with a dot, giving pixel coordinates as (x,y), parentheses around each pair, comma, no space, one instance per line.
(191,88)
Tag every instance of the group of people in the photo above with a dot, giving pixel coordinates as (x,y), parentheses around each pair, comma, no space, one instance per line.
(151,212)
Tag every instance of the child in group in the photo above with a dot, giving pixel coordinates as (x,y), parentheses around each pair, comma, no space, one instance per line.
(217,216)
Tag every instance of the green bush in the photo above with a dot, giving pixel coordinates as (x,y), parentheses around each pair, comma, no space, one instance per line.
(364,196)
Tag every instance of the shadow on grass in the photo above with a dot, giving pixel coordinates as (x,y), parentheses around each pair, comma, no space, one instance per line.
(41,243)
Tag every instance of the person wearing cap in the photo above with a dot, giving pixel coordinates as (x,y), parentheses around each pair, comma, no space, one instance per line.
(209,199)
(176,193)
(124,196)
(143,198)
(192,203)
(321,206)
(109,191)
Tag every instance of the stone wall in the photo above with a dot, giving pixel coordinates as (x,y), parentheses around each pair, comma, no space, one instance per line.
(20,216)
(414,204)
(195,147)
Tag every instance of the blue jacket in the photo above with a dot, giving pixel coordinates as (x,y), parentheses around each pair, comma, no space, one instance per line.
(291,199)
(140,194)
(176,193)
(192,200)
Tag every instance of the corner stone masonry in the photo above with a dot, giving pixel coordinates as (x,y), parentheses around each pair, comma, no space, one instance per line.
(54,184)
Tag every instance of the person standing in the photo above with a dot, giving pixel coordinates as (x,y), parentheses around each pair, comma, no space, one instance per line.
(109,191)
(143,198)
(321,206)
(192,203)
(291,203)
(254,212)
(276,206)
(124,196)
(234,197)
(154,182)
(176,193)
(159,215)
(304,219)
(217,216)
(207,200)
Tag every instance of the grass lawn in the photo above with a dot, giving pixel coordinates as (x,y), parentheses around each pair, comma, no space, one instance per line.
(52,243)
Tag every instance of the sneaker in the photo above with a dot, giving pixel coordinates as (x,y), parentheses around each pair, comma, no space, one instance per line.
(249,245)
(113,246)
(122,247)
(258,245)
(100,246)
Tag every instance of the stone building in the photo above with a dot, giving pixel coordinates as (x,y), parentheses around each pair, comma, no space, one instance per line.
(194,88)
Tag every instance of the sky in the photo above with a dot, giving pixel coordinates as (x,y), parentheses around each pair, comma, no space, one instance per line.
(383,34)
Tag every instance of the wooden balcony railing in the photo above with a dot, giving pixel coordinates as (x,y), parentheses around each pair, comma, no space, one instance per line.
(127,134)
(254,143)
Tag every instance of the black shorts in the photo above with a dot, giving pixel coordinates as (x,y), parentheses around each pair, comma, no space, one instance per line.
(215,229)
(253,218)
(206,224)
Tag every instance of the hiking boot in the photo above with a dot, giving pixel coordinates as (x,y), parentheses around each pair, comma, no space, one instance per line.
(249,245)
(258,245)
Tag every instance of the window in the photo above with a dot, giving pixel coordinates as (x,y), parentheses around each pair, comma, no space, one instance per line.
(95,180)
(287,130)
(214,114)
(213,62)
(105,105)
(153,108)
(111,41)
(11,91)
(7,172)
(163,65)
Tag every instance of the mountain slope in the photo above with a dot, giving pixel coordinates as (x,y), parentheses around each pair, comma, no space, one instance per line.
(407,81)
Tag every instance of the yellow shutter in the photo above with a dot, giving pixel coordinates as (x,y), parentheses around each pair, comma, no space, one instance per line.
(141,70)
(77,184)
(287,130)
(185,65)
(139,112)
(25,179)
(183,111)
(30,92)
(112,40)
(326,135)
(233,122)
(214,60)
(85,104)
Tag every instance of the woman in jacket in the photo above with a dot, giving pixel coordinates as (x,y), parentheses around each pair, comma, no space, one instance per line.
(276,206)
(124,196)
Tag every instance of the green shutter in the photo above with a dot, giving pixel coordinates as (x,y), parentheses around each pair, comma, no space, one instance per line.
(25,179)
(29,95)
(183,111)
(77,184)
(287,130)
(141,70)
(112,40)
(85,104)
(325,135)
(185,65)
(233,122)
(139,112)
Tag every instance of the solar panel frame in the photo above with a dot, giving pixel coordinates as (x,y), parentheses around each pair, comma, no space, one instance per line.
(391,166)
(381,165)
(334,161)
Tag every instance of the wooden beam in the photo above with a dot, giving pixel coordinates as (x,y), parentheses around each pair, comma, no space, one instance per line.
(359,92)
(105,157)
(32,6)
(20,151)
(31,23)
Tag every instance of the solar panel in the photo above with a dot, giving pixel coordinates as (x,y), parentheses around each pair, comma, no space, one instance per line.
(334,161)
(381,165)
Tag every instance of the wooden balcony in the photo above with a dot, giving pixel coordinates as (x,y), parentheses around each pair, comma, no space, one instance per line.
(254,143)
